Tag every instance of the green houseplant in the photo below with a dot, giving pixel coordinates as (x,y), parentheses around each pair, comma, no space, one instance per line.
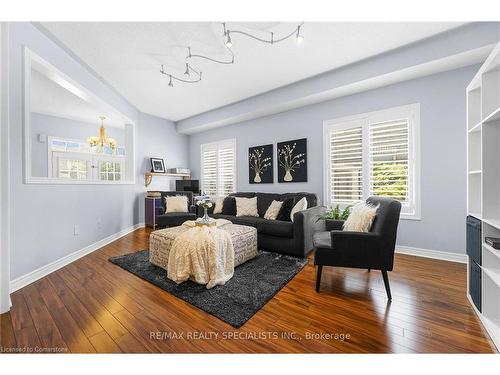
(335,213)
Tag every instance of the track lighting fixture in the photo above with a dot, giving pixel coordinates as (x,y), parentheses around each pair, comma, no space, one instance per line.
(228,43)
(299,37)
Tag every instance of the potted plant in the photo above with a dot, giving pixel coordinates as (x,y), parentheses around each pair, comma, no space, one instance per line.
(335,217)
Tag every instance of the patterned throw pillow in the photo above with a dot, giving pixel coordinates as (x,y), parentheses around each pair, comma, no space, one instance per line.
(219,203)
(246,207)
(176,204)
(273,210)
(285,210)
(361,218)
(299,206)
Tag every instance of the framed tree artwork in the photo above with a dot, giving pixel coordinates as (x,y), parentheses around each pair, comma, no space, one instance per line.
(292,161)
(260,160)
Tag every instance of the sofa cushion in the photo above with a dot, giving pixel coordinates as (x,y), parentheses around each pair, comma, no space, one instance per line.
(275,228)
(229,206)
(312,199)
(243,195)
(264,200)
(250,221)
(174,218)
(273,210)
(286,210)
(246,206)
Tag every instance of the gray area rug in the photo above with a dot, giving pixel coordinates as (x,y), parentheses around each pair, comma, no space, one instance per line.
(253,284)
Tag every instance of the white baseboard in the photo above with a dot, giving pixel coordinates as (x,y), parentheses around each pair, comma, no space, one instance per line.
(434,254)
(33,276)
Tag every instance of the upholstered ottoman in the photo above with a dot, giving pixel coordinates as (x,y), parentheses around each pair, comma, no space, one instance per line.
(244,240)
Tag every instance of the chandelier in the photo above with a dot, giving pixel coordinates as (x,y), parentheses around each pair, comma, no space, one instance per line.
(101,142)
(193,75)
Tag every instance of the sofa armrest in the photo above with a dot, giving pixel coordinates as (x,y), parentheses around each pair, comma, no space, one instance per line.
(305,224)
(355,241)
(161,210)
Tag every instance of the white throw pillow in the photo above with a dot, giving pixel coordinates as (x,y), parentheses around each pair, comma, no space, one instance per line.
(273,210)
(246,207)
(299,206)
(361,218)
(219,202)
(176,204)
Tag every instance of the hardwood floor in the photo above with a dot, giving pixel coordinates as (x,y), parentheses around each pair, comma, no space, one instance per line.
(92,305)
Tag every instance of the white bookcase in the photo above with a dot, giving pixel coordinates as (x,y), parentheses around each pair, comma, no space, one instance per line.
(483,183)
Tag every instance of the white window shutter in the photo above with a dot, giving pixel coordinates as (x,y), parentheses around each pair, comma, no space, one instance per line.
(218,168)
(209,170)
(346,165)
(389,162)
(226,170)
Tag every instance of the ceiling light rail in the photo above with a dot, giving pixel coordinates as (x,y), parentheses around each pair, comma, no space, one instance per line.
(173,77)
(228,43)
(271,40)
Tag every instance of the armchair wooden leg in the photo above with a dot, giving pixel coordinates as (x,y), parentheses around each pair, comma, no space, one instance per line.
(386,283)
(318,277)
(369,269)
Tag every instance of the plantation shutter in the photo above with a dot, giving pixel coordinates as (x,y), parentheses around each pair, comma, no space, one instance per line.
(209,170)
(218,168)
(389,164)
(226,169)
(346,165)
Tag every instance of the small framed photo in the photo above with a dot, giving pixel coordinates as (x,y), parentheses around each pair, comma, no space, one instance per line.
(157,165)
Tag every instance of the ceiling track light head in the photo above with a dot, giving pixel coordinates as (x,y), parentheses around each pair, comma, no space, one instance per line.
(299,37)
(170,82)
(187,69)
(229,42)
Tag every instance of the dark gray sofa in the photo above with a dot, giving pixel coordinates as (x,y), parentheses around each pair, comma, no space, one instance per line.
(293,238)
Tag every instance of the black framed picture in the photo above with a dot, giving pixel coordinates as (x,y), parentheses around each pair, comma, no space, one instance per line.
(157,165)
(292,161)
(260,160)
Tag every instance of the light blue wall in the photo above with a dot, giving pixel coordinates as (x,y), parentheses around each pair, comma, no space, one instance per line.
(443,184)
(42,216)
(52,126)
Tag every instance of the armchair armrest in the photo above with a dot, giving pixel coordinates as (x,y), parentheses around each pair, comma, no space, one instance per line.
(305,224)
(331,224)
(354,241)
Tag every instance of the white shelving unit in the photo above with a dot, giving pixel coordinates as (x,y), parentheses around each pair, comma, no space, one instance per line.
(483,183)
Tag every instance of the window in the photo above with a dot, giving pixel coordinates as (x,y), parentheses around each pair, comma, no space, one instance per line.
(374,154)
(74,160)
(218,171)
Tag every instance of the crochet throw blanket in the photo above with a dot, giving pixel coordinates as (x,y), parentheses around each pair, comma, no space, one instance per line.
(203,254)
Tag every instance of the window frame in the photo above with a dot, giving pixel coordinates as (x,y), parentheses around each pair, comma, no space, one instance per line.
(217,145)
(410,112)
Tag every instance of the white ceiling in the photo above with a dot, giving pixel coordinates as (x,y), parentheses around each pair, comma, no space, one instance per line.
(128,56)
(54,96)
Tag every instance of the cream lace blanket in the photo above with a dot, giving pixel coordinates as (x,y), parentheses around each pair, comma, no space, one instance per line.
(202,254)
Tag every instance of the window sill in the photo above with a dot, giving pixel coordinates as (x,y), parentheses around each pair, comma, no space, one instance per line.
(410,217)
(55,181)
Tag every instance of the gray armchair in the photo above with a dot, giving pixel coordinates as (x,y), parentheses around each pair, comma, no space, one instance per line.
(370,250)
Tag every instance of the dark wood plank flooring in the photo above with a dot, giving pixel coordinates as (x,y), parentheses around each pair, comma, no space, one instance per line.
(92,306)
